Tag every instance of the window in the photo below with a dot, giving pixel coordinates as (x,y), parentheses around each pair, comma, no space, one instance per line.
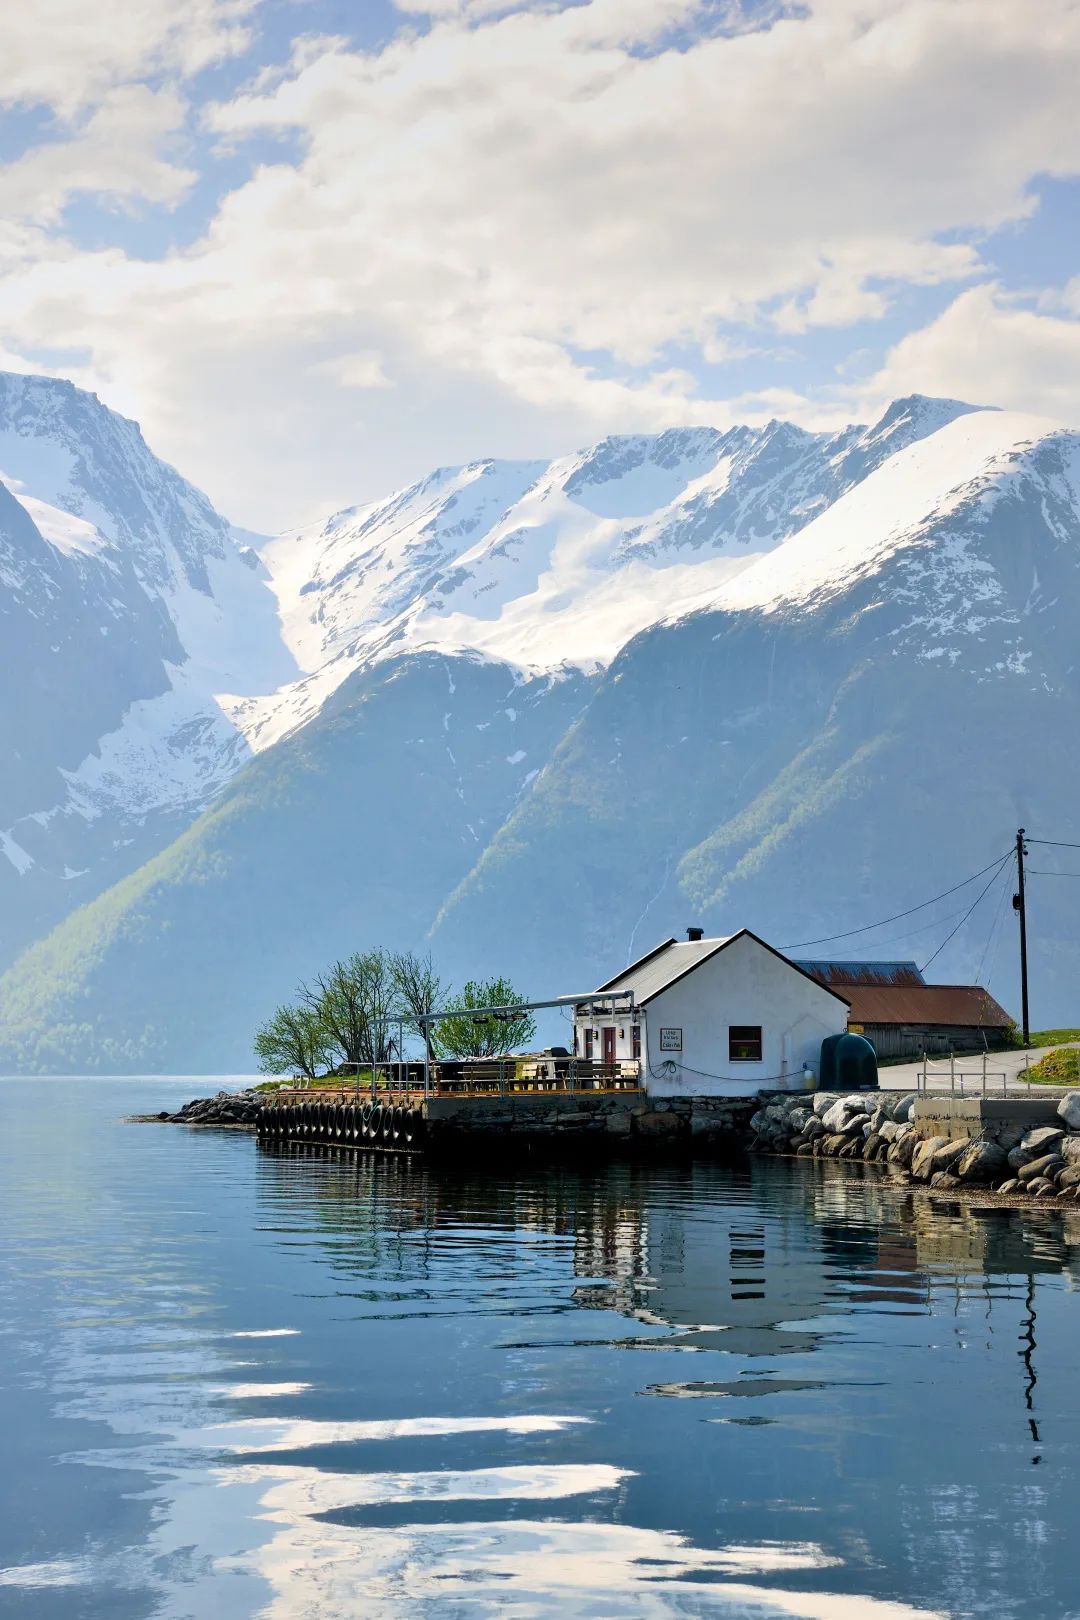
(636,1035)
(588,1045)
(744,1043)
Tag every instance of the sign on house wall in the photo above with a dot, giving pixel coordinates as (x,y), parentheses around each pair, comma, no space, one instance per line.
(671,1040)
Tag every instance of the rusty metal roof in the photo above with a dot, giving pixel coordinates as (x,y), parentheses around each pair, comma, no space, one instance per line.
(848,973)
(966,1006)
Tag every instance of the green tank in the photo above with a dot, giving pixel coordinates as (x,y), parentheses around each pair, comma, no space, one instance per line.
(848,1063)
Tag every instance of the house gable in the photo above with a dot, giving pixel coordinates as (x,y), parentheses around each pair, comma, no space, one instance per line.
(722,945)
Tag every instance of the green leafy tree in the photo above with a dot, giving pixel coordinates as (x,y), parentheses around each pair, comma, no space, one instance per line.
(419,991)
(475,1035)
(294,1040)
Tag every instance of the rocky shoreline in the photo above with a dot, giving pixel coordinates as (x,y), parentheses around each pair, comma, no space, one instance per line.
(235,1108)
(1042,1161)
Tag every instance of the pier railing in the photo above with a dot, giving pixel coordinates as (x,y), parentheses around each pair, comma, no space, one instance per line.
(482,1077)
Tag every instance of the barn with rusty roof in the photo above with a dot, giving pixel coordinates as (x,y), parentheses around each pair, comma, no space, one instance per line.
(903,1016)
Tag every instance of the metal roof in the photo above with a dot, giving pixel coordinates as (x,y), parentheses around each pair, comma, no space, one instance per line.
(852,973)
(655,972)
(674,958)
(966,1006)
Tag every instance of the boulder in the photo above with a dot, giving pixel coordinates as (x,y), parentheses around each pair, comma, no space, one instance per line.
(1045,1189)
(1070,1149)
(852,1148)
(903,1150)
(879,1117)
(1042,1139)
(805,1150)
(924,1152)
(1047,1165)
(758,1122)
(1070,1176)
(833,1143)
(945,1158)
(1037,1185)
(798,1118)
(821,1102)
(856,1125)
(942,1181)
(1069,1110)
(1018,1157)
(834,1118)
(813,1127)
(873,1145)
(889,1129)
(904,1111)
(1010,1186)
(981,1161)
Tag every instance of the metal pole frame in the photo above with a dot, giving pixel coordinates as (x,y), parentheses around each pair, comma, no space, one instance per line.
(1021,906)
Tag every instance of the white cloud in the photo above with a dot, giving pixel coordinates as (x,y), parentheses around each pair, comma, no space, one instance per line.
(992,350)
(364,369)
(516,214)
(116,156)
(66,54)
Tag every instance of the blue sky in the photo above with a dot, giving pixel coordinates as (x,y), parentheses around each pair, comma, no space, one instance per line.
(317,248)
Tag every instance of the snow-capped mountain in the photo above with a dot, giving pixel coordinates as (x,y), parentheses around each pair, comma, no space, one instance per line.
(129,611)
(536,711)
(544,564)
(156,650)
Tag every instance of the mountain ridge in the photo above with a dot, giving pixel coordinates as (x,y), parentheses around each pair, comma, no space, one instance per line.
(529,710)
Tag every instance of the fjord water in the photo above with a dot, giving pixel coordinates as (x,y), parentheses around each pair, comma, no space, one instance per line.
(243,1381)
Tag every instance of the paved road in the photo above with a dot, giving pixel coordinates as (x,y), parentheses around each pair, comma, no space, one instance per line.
(908,1076)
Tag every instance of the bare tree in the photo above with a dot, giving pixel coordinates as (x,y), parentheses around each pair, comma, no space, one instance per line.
(420,991)
(357,1002)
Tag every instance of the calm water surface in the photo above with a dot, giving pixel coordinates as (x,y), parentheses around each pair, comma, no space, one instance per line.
(243,1382)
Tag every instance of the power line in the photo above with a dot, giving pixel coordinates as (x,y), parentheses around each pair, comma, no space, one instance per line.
(1051,843)
(985,890)
(1036,871)
(999,912)
(865,929)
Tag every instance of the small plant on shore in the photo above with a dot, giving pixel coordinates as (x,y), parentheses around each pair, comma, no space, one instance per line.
(1059,1068)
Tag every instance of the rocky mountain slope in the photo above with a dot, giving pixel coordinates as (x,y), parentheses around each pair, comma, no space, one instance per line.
(128,607)
(539,713)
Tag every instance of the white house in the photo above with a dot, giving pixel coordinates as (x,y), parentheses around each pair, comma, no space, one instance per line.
(711,1017)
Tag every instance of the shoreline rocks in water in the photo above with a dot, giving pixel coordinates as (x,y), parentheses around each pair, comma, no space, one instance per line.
(225,1108)
(876,1127)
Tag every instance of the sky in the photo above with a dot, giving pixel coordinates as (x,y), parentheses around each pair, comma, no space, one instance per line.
(318,248)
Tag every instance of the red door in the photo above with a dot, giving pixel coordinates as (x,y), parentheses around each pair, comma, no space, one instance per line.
(609,1046)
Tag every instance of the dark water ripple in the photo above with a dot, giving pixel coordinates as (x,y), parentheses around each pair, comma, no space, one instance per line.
(242,1382)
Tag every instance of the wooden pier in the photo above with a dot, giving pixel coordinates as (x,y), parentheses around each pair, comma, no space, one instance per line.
(462,1098)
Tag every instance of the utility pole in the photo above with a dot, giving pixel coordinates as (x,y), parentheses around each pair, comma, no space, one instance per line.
(1020,906)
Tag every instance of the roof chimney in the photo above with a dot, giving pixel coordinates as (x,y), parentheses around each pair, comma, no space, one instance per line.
(695,933)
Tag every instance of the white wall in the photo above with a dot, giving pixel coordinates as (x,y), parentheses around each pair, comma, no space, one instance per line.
(742,984)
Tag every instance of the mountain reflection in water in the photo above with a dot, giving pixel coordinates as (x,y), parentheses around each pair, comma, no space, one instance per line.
(247,1381)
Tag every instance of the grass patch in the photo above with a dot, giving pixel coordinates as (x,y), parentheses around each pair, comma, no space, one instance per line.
(1053,1037)
(1060,1068)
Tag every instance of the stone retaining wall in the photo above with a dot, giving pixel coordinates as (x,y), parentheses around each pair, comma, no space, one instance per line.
(1008,1154)
(563,1116)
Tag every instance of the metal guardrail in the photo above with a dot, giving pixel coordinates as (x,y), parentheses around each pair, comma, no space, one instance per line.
(957,1077)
